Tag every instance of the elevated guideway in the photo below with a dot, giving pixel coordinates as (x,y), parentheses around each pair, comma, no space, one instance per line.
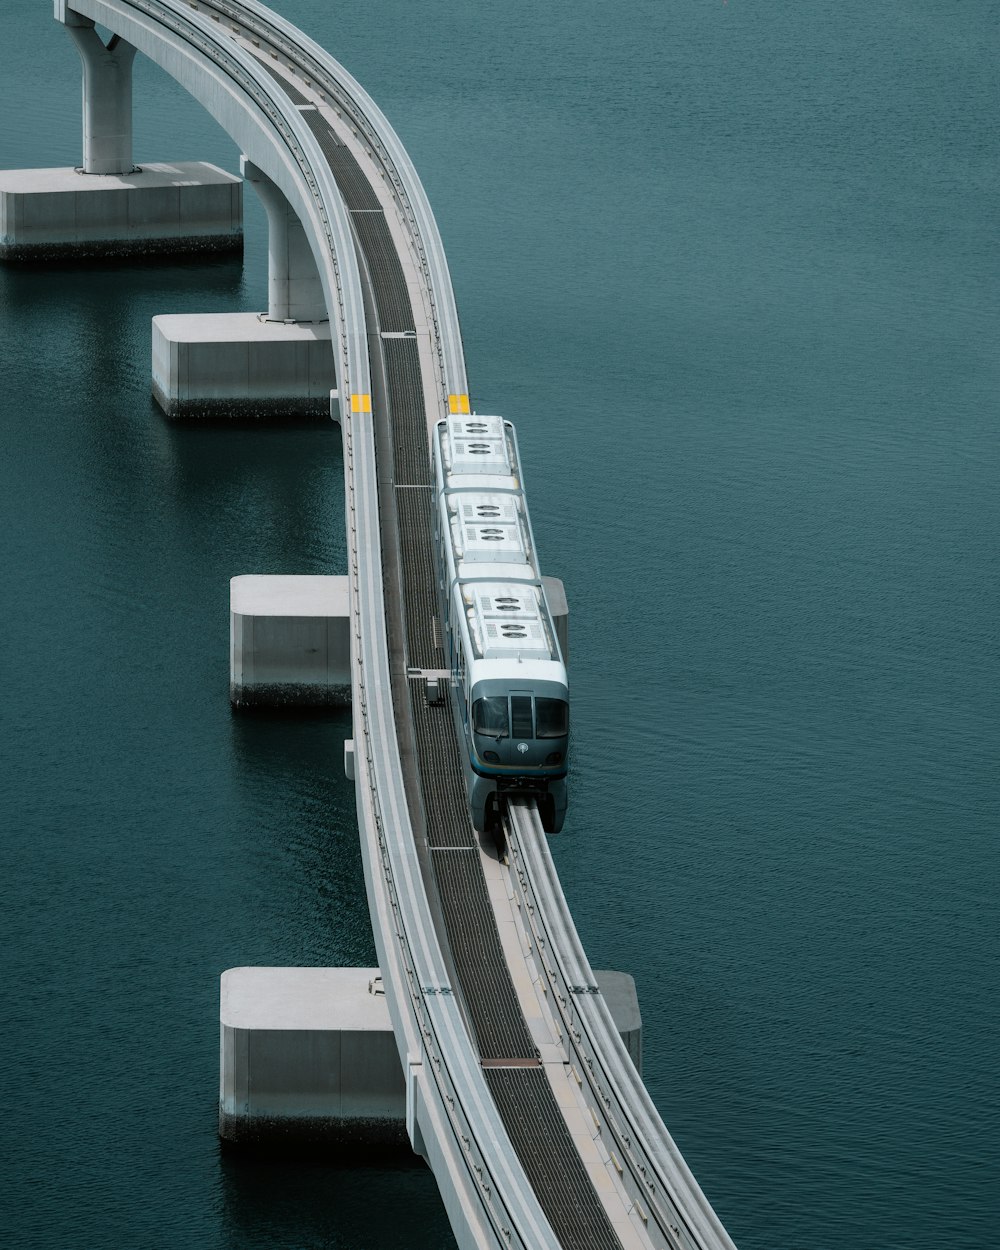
(519,1092)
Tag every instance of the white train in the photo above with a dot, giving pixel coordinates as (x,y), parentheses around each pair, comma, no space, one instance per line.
(510,692)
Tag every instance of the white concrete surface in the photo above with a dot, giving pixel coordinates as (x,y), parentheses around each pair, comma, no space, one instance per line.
(620,994)
(187,206)
(241,365)
(294,289)
(308,1055)
(107,98)
(289,640)
(318,999)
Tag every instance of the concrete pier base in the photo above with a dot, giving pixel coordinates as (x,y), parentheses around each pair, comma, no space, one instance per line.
(294,287)
(289,641)
(241,365)
(308,1057)
(619,993)
(58,214)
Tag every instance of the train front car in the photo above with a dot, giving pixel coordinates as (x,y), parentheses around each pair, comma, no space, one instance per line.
(517,723)
(510,693)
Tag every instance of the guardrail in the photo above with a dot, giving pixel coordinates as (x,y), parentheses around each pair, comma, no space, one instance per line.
(323,72)
(667,1197)
(508,1202)
(445,1085)
(321,192)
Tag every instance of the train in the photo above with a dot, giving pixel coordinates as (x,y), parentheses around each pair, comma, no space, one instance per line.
(510,693)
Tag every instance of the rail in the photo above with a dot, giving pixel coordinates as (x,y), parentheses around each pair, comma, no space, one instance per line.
(668,1198)
(450,1112)
(329,77)
(417,958)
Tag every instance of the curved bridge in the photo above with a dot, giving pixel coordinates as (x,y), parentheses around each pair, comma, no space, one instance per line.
(520,1093)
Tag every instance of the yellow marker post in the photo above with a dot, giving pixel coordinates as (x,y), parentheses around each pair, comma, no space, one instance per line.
(361,403)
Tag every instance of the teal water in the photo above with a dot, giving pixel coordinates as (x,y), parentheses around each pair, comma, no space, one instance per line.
(732,271)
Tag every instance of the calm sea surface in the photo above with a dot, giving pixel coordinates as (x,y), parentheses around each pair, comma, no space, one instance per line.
(732,269)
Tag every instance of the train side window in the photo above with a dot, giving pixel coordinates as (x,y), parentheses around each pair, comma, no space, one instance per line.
(520,715)
(489,717)
(552,717)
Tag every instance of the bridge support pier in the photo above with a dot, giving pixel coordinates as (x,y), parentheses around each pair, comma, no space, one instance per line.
(184,209)
(107,97)
(289,641)
(307,1057)
(242,366)
(254,365)
(108,207)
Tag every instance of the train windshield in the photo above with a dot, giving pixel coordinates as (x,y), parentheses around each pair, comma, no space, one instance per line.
(489,716)
(495,719)
(551,718)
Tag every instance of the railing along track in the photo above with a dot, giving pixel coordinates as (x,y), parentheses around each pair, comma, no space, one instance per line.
(670,1200)
(319,71)
(431,1030)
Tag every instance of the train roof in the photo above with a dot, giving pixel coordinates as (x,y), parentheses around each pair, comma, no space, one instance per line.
(509,620)
(490,527)
(478,451)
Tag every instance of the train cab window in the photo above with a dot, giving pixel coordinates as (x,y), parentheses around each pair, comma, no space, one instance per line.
(520,715)
(552,718)
(489,716)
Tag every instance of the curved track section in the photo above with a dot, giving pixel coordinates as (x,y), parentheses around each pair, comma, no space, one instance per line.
(244,100)
(301,118)
(444,1078)
(451,1116)
(317,67)
(659,1180)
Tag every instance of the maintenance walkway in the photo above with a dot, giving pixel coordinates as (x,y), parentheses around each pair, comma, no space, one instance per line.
(520,1093)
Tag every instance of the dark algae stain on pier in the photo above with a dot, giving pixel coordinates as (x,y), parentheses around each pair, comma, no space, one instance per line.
(732,272)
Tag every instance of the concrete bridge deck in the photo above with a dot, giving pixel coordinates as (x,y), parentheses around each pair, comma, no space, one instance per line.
(519,1091)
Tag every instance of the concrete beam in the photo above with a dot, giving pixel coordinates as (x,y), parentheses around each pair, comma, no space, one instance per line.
(290,641)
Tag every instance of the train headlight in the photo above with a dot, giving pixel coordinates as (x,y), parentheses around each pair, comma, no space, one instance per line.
(554,757)
(491,757)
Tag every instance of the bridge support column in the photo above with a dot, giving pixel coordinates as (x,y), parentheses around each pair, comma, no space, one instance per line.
(294,290)
(259,365)
(307,1057)
(107,97)
(242,365)
(108,207)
